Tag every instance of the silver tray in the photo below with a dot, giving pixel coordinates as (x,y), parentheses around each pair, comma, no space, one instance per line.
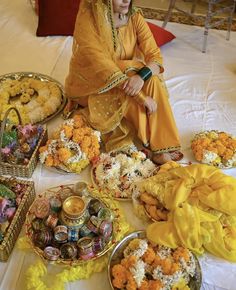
(43,78)
(117,255)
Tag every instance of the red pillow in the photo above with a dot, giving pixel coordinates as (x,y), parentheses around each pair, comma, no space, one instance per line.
(161,35)
(57,17)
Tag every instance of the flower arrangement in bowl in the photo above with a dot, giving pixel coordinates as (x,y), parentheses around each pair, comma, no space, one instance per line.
(72,147)
(136,263)
(215,148)
(117,172)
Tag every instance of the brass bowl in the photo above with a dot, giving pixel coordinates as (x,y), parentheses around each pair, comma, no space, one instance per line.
(73,207)
(117,255)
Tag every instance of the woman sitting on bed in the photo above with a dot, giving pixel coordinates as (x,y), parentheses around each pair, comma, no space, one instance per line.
(115,74)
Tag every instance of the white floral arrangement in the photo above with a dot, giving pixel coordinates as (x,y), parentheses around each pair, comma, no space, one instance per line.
(215,148)
(118,172)
(146,266)
(36,99)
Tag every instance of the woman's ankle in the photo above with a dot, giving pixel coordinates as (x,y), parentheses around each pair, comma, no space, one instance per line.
(161,158)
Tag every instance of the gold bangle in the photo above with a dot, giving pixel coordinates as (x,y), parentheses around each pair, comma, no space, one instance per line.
(140,98)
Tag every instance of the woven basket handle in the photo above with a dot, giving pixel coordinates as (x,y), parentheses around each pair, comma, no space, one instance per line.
(3,125)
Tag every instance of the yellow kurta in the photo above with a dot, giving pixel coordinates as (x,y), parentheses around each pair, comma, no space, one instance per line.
(103,58)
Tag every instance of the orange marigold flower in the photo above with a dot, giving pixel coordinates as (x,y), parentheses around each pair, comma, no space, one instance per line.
(49,161)
(166,265)
(144,285)
(155,285)
(120,276)
(64,154)
(149,256)
(157,261)
(129,261)
(223,135)
(181,252)
(131,285)
(78,121)
(68,131)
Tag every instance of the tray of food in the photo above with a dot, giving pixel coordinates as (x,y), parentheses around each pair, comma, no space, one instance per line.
(137,263)
(118,172)
(38,97)
(215,148)
(69,225)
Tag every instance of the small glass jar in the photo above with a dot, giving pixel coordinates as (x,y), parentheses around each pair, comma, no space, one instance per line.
(81,188)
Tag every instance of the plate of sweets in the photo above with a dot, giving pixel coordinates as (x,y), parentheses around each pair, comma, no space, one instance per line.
(70,226)
(136,263)
(150,205)
(118,172)
(215,148)
(38,97)
(72,147)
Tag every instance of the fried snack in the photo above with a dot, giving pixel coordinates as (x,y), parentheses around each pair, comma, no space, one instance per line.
(152,211)
(148,199)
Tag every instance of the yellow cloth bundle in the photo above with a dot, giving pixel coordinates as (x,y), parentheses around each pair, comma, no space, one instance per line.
(202,209)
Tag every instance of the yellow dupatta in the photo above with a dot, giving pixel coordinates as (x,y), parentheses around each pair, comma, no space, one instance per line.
(202,209)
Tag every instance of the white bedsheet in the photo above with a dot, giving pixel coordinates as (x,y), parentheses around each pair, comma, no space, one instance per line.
(202,90)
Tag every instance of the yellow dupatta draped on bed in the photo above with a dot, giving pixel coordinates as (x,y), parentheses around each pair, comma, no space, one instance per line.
(202,209)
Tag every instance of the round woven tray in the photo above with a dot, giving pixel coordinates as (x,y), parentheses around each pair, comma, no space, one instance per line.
(60,191)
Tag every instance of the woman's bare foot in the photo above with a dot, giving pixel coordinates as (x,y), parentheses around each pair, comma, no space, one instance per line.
(70,107)
(161,158)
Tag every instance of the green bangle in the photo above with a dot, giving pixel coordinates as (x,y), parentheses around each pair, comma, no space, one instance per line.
(145,73)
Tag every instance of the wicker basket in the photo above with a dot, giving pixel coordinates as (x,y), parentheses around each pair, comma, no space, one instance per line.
(19,169)
(14,229)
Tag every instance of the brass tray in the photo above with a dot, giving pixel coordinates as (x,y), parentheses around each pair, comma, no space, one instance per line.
(65,191)
(43,78)
(117,255)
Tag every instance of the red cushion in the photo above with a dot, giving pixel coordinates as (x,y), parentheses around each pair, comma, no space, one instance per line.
(161,35)
(57,17)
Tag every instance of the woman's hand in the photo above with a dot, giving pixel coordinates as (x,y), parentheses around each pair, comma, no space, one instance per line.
(150,104)
(133,85)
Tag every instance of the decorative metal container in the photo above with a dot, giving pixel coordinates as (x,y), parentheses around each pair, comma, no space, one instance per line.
(74,213)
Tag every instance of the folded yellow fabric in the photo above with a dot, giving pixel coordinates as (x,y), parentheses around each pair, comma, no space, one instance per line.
(202,209)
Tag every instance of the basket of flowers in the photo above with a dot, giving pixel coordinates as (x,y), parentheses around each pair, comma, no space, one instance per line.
(215,148)
(72,147)
(16,197)
(19,146)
